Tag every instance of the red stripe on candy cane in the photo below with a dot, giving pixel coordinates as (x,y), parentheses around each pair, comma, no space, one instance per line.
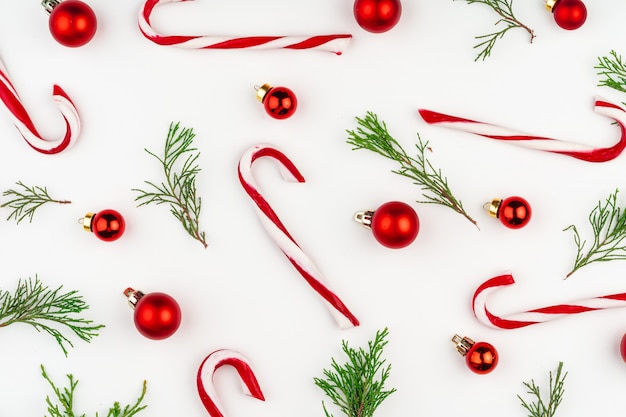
(206,373)
(331,43)
(278,232)
(575,150)
(538,315)
(26,127)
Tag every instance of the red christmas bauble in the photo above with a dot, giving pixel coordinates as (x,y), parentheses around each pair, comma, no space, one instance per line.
(395,224)
(482,358)
(569,14)
(622,347)
(157,315)
(514,212)
(377,16)
(108,225)
(72,23)
(279,102)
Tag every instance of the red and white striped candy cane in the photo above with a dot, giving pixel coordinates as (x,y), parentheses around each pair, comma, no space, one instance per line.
(23,122)
(278,232)
(575,150)
(331,43)
(538,315)
(206,372)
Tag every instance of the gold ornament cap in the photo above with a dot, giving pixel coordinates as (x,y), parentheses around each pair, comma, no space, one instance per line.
(550,5)
(87,221)
(133,296)
(494,206)
(463,344)
(262,91)
(364,217)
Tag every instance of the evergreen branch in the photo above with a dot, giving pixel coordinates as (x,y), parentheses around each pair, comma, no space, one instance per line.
(179,188)
(46,310)
(27,200)
(373,135)
(65,398)
(608,223)
(613,69)
(539,408)
(504,9)
(353,386)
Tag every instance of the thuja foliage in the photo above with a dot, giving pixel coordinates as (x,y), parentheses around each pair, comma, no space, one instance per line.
(357,387)
(608,224)
(372,134)
(538,407)
(178,190)
(50,311)
(62,403)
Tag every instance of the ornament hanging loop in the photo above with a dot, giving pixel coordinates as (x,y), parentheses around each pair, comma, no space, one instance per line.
(364,218)
(49,5)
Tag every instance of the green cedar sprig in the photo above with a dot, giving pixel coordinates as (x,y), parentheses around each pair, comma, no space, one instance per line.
(47,310)
(373,135)
(538,408)
(608,222)
(353,386)
(504,9)
(613,69)
(26,200)
(65,399)
(179,188)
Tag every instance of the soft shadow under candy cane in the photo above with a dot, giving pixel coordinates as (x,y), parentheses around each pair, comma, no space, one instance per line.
(278,232)
(24,124)
(575,150)
(538,315)
(206,373)
(332,43)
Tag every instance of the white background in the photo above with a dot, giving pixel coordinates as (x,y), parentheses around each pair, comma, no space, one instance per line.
(242,293)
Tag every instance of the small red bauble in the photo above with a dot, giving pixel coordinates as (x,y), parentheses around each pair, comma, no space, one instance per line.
(568,14)
(394,224)
(279,102)
(157,315)
(72,23)
(480,357)
(377,16)
(513,212)
(108,225)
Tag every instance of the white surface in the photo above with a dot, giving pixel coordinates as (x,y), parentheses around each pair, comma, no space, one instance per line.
(241,293)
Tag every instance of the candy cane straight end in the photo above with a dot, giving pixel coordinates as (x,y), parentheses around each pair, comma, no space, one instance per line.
(206,373)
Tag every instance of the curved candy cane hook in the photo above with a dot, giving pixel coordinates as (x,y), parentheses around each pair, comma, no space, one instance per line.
(331,43)
(281,236)
(575,150)
(206,372)
(538,315)
(23,122)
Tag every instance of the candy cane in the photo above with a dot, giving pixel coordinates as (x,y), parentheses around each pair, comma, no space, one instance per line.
(281,236)
(539,315)
(206,373)
(332,43)
(25,125)
(575,150)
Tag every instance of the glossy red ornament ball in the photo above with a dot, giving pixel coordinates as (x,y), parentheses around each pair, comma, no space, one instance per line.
(279,102)
(377,16)
(569,14)
(108,225)
(72,23)
(157,315)
(514,212)
(482,358)
(395,224)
